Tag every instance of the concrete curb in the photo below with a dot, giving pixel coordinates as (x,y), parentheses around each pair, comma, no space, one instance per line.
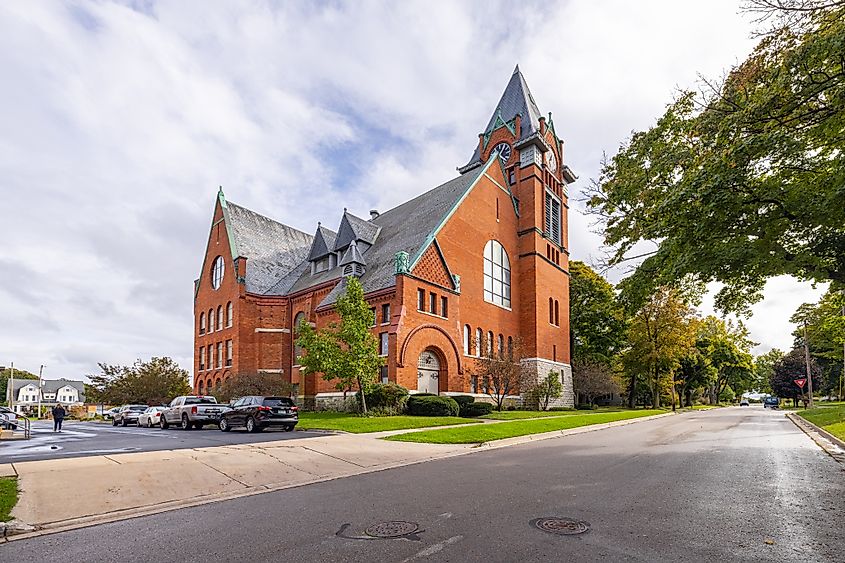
(832,445)
(147,510)
(568,432)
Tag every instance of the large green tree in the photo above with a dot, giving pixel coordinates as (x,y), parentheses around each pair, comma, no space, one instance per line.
(789,368)
(153,382)
(597,320)
(764,367)
(728,350)
(825,330)
(747,180)
(344,352)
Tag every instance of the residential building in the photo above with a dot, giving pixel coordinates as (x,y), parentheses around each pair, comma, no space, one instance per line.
(25,393)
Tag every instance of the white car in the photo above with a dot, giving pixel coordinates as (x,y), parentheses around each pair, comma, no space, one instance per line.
(8,419)
(150,417)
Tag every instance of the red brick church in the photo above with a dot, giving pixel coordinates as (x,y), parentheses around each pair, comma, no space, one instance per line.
(484,255)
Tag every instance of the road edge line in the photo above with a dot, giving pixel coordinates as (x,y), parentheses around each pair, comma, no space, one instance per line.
(832,446)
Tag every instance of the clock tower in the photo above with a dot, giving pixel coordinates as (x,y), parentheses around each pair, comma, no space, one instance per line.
(531,155)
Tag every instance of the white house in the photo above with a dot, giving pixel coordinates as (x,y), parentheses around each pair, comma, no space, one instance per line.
(24,393)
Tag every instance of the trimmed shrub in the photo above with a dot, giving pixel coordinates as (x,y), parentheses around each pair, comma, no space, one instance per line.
(476,409)
(432,405)
(586,407)
(463,400)
(561,409)
(387,397)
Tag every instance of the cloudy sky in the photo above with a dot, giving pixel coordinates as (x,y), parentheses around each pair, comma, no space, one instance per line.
(118,121)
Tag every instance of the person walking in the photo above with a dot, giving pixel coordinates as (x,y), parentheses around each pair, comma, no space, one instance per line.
(58,416)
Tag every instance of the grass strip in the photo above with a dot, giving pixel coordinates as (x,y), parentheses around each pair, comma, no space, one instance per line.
(520,415)
(489,432)
(8,497)
(356,424)
(831,418)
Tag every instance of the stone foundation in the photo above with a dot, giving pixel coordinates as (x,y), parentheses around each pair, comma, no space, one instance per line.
(540,368)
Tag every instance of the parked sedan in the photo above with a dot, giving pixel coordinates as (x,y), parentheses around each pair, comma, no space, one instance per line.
(8,419)
(150,417)
(257,413)
(111,413)
(128,414)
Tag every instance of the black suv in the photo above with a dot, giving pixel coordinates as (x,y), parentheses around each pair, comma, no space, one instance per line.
(257,413)
(771,403)
(128,414)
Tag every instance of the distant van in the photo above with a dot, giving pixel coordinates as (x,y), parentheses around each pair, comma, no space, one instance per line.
(771,403)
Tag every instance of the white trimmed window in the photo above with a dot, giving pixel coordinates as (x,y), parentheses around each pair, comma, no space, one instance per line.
(497,274)
(467,332)
(229,315)
(478,337)
(297,349)
(202,323)
(220,324)
(228,353)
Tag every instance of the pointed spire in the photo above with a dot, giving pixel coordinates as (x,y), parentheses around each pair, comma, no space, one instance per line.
(516,69)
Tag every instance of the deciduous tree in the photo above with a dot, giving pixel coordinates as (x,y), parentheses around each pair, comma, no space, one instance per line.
(153,382)
(596,318)
(502,372)
(345,352)
(592,379)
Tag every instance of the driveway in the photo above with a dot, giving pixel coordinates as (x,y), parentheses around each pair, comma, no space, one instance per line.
(79,439)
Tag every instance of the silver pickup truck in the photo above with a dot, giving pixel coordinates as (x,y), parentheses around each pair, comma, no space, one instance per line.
(192,411)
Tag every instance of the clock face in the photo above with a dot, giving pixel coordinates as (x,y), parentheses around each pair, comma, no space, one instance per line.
(504,151)
(551,161)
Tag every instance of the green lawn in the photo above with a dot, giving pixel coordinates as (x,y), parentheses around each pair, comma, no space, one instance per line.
(8,497)
(829,417)
(520,415)
(488,432)
(359,424)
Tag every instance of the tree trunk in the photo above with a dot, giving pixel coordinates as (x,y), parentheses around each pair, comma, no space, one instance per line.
(632,391)
(655,390)
(363,396)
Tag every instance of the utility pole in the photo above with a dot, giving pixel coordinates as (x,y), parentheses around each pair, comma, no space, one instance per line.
(11,388)
(40,370)
(807,361)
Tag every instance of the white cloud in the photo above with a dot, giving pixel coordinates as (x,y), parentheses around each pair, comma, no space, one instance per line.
(119,124)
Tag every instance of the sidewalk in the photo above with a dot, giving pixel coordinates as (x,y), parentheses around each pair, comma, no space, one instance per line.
(68,493)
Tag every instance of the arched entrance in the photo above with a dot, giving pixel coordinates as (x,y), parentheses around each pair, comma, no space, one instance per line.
(428,372)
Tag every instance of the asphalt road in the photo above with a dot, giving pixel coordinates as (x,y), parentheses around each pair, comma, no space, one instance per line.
(79,439)
(726,485)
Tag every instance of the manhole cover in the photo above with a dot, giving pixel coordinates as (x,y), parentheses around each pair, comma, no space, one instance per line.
(395,529)
(561,526)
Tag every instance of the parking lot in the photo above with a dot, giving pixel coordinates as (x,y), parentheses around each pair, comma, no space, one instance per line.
(79,439)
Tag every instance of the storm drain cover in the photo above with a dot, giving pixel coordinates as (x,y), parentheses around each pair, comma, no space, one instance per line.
(561,526)
(393,529)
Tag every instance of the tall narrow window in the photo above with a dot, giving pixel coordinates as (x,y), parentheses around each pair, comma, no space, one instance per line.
(229,314)
(202,323)
(382,344)
(478,344)
(497,274)
(297,349)
(219,355)
(199,387)
(432,303)
(501,347)
(473,384)
(510,348)
(228,353)
(202,358)
(444,306)
(385,313)
(210,356)
(220,317)
(490,344)
(420,299)
(551,311)
(383,374)
(217,270)
(211,320)
(466,339)
(552,217)
(554,352)
(373,311)
(557,314)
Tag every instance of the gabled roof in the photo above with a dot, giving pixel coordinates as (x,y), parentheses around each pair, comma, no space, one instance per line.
(516,100)
(352,256)
(410,227)
(354,228)
(323,243)
(51,385)
(272,249)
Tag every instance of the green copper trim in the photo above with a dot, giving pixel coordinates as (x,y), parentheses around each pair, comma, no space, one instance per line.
(430,238)
(233,243)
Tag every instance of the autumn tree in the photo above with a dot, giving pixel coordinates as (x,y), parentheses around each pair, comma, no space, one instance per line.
(592,379)
(548,388)
(743,181)
(345,352)
(659,335)
(501,369)
(153,382)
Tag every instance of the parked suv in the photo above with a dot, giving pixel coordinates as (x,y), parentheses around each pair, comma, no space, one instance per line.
(192,411)
(771,403)
(257,413)
(128,414)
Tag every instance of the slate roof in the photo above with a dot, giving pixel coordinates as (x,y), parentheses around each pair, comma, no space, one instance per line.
(324,240)
(516,99)
(51,385)
(352,256)
(272,250)
(354,228)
